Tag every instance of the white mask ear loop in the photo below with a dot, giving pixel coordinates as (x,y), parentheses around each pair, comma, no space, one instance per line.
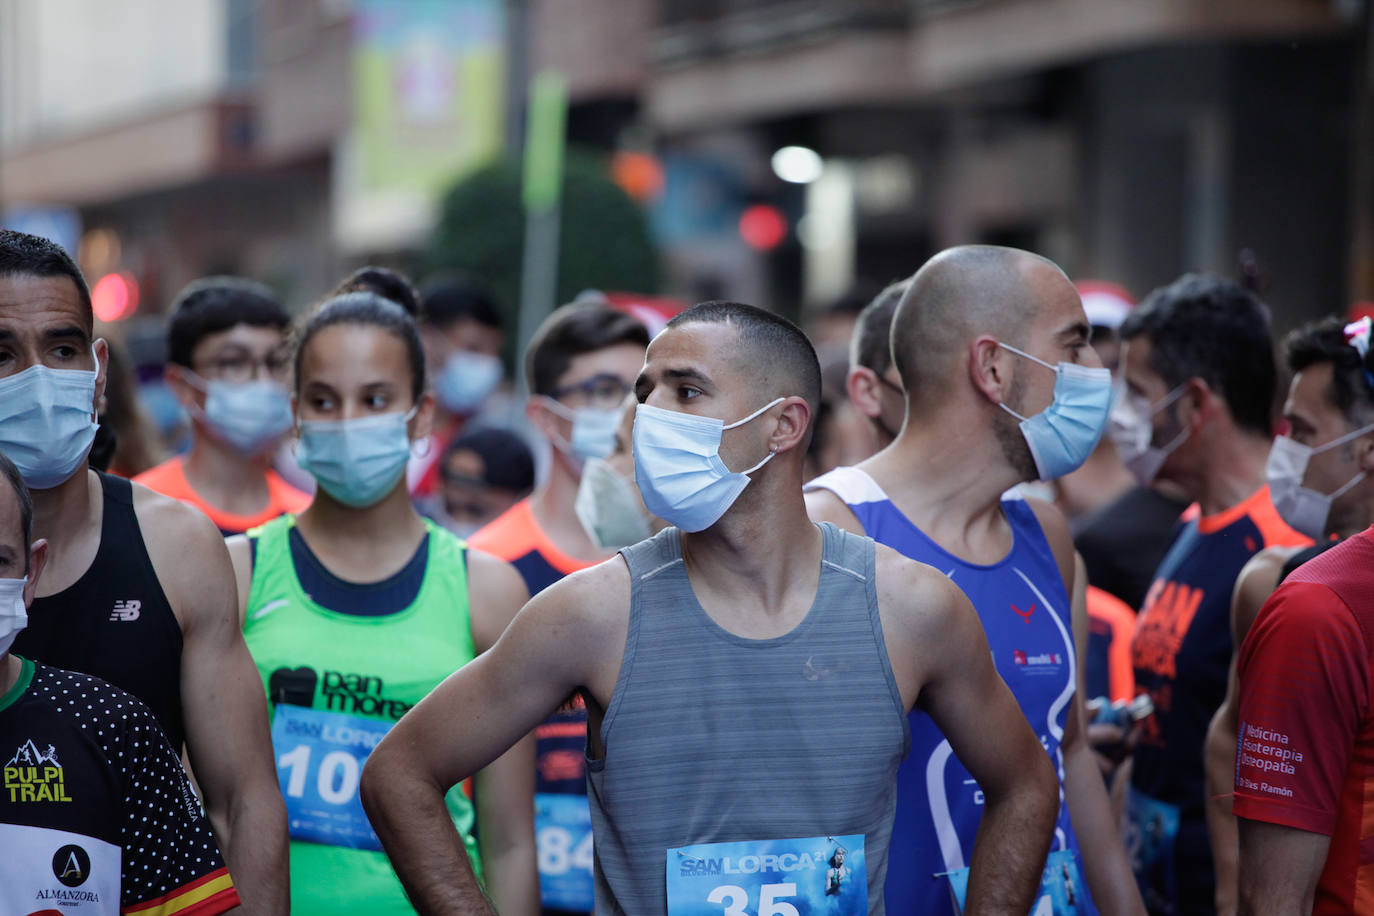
(771,452)
(772,403)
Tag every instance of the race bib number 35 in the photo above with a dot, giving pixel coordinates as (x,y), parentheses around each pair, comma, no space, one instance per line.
(769,878)
(320,759)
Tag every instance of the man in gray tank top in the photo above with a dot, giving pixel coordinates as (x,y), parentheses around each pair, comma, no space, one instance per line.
(747,676)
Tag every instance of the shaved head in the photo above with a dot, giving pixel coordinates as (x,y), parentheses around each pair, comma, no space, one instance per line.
(962,293)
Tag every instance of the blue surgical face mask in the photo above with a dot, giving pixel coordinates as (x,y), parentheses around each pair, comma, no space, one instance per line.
(593,430)
(465,381)
(248,416)
(47,422)
(356,461)
(1063,435)
(678,468)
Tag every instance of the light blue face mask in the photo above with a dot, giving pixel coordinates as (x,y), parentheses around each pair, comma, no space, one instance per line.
(593,429)
(47,422)
(356,461)
(678,468)
(1063,435)
(466,379)
(248,416)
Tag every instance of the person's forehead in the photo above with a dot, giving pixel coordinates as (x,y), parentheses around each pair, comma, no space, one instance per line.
(30,304)
(364,348)
(622,360)
(248,336)
(466,462)
(1307,394)
(708,347)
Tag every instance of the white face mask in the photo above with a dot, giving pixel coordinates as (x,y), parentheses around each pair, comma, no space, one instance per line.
(609,508)
(1302,509)
(1131,428)
(593,430)
(678,466)
(13,616)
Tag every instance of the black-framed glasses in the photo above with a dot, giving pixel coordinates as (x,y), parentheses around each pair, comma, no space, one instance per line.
(603,390)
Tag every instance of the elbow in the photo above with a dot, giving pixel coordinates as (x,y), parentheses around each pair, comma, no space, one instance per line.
(379,772)
(1046,783)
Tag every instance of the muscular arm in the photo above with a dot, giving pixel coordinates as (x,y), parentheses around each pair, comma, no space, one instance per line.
(223,705)
(1254,585)
(1109,874)
(505,788)
(1279,868)
(938,646)
(571,635)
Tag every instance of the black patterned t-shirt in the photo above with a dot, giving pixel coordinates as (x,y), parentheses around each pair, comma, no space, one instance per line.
(97,815)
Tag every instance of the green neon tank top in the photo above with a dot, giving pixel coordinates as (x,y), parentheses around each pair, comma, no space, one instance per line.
(335,684)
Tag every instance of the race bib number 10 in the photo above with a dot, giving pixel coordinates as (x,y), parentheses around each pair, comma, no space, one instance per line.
(769,878)
(320,759)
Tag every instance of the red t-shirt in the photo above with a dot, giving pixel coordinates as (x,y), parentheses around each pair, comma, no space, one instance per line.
(1305,754)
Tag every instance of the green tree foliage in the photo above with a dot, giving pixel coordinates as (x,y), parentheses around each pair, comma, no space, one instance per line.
(604,236)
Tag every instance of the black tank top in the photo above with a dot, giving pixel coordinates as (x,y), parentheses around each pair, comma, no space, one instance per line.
(115,621)
(1302,556)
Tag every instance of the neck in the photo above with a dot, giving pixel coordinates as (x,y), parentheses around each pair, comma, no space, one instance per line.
(10,666)
(66,508)
(1231,471)
(942,475)
(744,554)
(391,520)
(225,478)
(552,504)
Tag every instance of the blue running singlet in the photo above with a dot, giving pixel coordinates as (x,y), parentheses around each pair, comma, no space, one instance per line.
(1025,610)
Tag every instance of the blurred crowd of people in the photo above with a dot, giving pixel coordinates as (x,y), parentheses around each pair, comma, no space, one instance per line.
(1082,623)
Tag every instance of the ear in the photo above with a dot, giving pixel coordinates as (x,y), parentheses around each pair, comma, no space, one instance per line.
(188,395)
(543,419)
(1364,453)
(793,421)
(864,391)
(1198,404)
(102,367)
(989,368)
(422,424)
(38,558)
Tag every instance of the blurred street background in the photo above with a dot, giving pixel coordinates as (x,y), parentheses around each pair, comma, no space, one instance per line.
(796,154)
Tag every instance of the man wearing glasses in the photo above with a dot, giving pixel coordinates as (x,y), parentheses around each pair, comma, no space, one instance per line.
(580,366)
(227,364)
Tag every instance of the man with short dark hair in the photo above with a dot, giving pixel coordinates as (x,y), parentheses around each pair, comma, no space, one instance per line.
(580,365)
(1200,378)
(1001,388)
(874,387)
(748,674)
(139,589)
(96,814)
(461,328)
(1319,480)
(227,365)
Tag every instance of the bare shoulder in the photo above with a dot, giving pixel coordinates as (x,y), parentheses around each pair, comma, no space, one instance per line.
(822,505)
(496,592)
(186,549)
(594,601)
(1057,532)
(916,601)
(1256,582)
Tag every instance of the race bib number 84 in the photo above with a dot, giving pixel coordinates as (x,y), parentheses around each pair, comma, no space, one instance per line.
(769,878)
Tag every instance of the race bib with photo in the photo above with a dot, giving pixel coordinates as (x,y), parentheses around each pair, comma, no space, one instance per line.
(769,878)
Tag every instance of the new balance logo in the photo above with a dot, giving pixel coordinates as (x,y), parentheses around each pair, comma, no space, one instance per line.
(126,610)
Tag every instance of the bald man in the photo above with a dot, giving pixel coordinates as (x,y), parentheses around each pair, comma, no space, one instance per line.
(747,674)
(991,345)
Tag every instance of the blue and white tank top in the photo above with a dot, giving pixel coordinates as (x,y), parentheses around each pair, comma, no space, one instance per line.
(1025,610)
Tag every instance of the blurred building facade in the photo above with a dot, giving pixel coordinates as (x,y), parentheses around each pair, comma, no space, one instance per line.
(1130,141)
